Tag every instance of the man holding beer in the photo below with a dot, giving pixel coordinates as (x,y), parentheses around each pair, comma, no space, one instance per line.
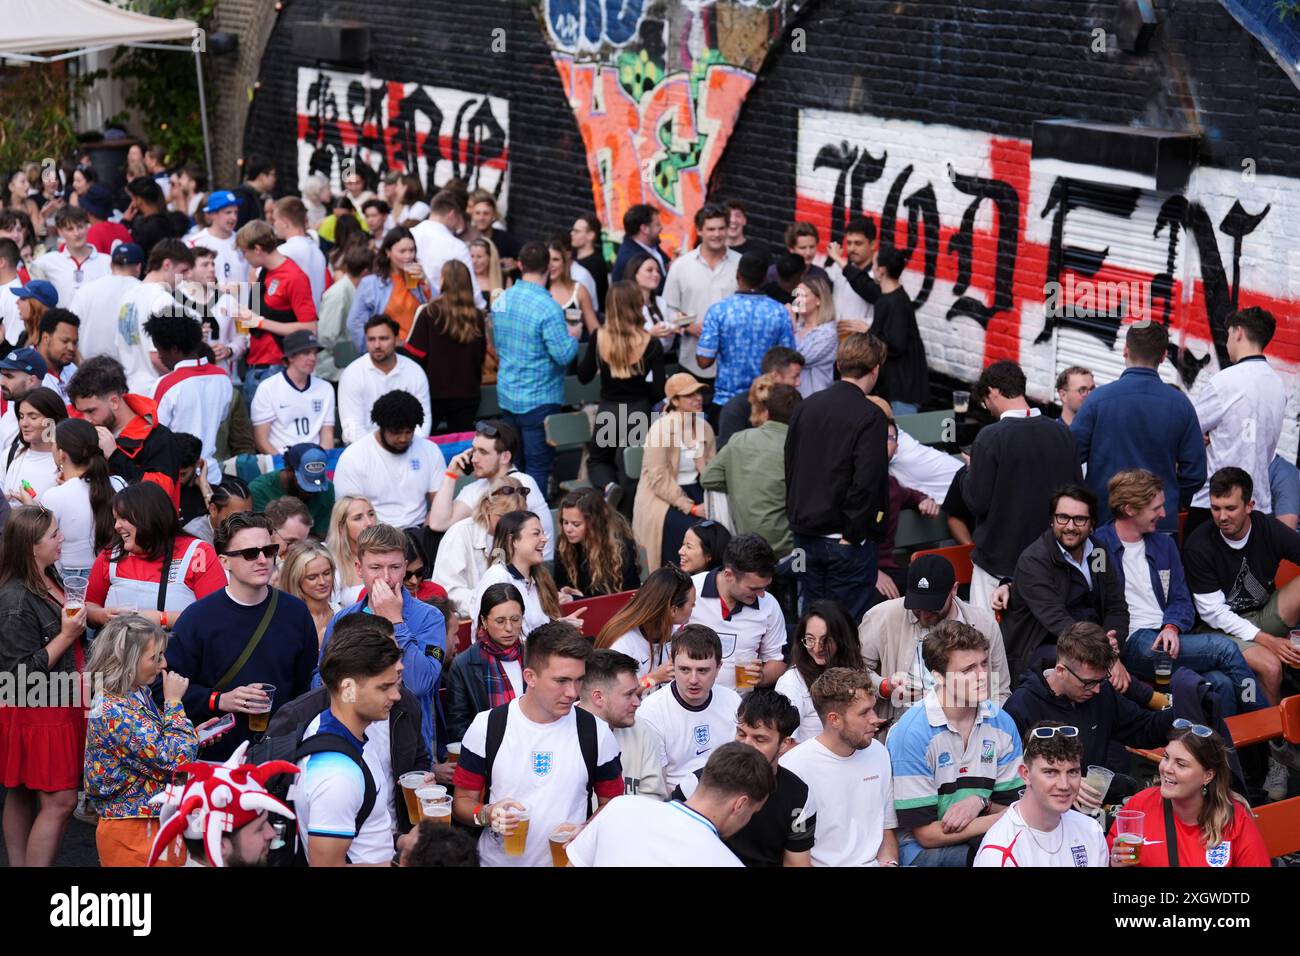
(547,760)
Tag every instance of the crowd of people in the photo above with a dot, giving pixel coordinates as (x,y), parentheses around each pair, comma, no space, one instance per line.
(227,507)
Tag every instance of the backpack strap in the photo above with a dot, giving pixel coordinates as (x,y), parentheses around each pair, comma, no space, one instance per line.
(496,732)
(1171,833)
(587,742)
(168,561)
(336,744)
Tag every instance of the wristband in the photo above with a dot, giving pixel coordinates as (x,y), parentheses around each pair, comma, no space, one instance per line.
(892,863)
(452,475)
(163,617)
(886,689)
(212,701)
(647,682)
(474,815)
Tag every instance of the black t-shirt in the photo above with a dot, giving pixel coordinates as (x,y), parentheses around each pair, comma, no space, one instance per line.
(1245,575)
(775,828)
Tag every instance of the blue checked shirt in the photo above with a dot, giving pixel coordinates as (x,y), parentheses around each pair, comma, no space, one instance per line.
(737,331)
(534,346)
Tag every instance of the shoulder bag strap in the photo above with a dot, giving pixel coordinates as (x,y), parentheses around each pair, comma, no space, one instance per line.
(252,642)
(1171,833)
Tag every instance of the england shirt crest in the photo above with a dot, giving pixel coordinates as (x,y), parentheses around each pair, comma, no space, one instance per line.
(543,761)
(317,405)
(702,734)
(1219,855)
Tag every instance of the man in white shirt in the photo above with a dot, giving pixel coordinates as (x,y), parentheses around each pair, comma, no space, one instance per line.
(290,224)
(436,242)
(851,773)
(695,714)
(1240,410)
(223,212)
(98,303)
(635,831)
(851,307)
(611,691)
(363,672)
(491,456)
(194,395)
(389,467)
(169,262)
(380,371)
(1041,828)
(294,406)
(699,278)
(78,262)
(548,761)
(734,603)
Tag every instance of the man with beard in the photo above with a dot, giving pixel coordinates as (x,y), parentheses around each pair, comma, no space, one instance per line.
(20,371)
(56,341)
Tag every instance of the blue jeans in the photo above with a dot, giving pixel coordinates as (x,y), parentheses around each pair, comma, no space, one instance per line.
(1213,656)
(839,572)
(904,408)
(255,376)
(911,853)
(536,457)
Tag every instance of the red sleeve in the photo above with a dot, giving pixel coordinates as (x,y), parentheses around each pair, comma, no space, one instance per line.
(205,575)
(97,589)
(304,309)
(1248,848)
(463,779)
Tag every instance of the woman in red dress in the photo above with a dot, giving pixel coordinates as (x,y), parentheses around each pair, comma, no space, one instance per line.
(41,648)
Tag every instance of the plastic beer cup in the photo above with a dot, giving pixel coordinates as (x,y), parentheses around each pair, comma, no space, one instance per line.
(1130,832)
(412,782)
(453,752)
(745,680)
(259,721)
(560,838)
(515,841)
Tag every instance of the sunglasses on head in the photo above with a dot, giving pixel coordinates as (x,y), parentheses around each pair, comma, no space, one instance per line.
(486,429)
(1047,733)
(250,554)
(1182,723)
(506,490)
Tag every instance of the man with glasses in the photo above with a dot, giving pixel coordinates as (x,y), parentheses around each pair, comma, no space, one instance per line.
(247,648)
(1041,829)
(1073,385)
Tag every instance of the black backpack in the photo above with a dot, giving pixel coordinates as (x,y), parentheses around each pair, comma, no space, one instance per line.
(293,748)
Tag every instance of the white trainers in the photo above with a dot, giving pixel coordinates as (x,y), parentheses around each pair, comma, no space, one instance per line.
(1275,784)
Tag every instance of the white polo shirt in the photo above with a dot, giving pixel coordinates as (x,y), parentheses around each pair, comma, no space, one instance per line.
(855,800)
(67,274)
(434,246)
(692,286)
(848,304)
(1241,408)
(473,493)
(397,485)
(296,415)
(97,305)
(643,831)
(689,733)
(362,383)
(748,632)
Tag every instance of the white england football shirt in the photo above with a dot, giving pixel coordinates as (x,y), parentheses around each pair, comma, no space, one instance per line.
(1077,841)
(69,276)
(397,485)
(97,305)
(749,632)
(643,831)
(296,415)
(689,733)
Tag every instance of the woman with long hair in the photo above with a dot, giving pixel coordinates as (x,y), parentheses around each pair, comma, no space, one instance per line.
(490,671)
(17,195)
(411,201)
(449,339)
(1193,817)
(31,310)
(517,558)
(307,573)
(567,291)
(815,332)
(631,365)
(149,549)
(396,287)
(30,469)
(82,501)
(703,546)
(132,747)
(466,549)
(41,747)
(487,268)
(352,515)
(678,446)
(643,628)
(596,553)
(824,637)
(646,272)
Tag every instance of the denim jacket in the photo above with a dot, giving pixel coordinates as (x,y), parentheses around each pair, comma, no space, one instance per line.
(1167,577)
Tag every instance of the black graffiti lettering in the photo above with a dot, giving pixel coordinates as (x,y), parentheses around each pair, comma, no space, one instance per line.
(856,169)
(922,212)
(1174,215)
(481,138)
(406,140)
(1238,224)
(1007,204)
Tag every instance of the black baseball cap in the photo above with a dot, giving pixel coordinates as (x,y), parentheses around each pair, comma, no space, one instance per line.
(929,582)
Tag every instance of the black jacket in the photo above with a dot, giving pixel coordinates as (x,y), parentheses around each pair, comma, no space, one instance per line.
(905,377)
(27,623)
(467,694)
(837,465)
(1048,594)
(406,745)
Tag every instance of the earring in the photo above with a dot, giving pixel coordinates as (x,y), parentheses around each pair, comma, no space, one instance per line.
(1204,791)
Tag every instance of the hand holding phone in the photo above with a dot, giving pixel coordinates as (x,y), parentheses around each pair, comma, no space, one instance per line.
(210,730)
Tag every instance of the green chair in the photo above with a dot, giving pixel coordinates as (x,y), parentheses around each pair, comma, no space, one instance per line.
(487,402)
(930,428)
(632,458)
(568,432)
(575,393)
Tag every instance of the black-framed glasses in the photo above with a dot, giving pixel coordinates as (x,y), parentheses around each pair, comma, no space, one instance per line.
(1047,733)
(251,554)
(487,429)
(1087,684)
(417,574)
(1079,521)
(1182,723)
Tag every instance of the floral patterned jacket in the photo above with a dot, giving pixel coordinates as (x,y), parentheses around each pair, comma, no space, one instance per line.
(132,752)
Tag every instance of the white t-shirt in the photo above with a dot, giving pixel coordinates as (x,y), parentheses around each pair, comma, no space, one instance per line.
(133,344)
(194,399)
(327,796)
(362,384)
(97,305)
(473,493)
(308,257)
(855,800)
(689,734)
(296,415)
(8,429)
(9,315)
(70,503)
(1143,609)
(541,766)
(643,831)
(36,468)
(635,646)
(1077,841)
(397,485)
(230,263)
(791,685)
(752,632)
(534,615)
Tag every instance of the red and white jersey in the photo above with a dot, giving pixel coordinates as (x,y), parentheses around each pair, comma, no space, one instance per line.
(1077,841)
(194,398)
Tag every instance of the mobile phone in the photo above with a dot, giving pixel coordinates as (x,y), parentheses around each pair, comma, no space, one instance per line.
(684,319)
(220,727)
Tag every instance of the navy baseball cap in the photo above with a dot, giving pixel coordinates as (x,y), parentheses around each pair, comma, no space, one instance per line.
(219,200)
(97,201)
(929,582)
(127,254)
(308,462)
(25,360)
(40,290)
(296,342)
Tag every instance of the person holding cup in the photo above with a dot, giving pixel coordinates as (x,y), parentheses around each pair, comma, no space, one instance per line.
(396,287)
(1193,817)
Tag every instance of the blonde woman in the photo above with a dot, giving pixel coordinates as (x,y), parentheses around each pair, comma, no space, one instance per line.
(679,445)
(307,573)
(631,365)
(815,332)
(352,515)
(466,548)
(487,267)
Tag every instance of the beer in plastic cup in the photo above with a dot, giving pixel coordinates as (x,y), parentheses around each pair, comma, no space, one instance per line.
(960,401)
(453,752)
(1099,779)
(259,721)
(745,680)
(427,797)
(413,275)
(74,594)
(241,323)
(412,782)
(514,842)
(1164,667)
(439,813)
(1130,831)
(560,838)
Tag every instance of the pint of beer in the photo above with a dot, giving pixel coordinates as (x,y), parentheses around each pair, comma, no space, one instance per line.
(413,275)
(1130,832)
(258,722)
(439,814)
(412,782)
(453,752)
(514,842)
(74,594)
(560,838)
(745,680)
(1164,670)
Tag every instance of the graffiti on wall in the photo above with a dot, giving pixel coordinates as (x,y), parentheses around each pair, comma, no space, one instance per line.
(656,86)
(352,120)
(986,230)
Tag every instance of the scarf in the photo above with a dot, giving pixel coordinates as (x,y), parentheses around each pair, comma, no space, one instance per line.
(500,690)
(402,303)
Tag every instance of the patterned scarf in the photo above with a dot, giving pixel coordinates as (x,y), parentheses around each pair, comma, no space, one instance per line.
(500,690)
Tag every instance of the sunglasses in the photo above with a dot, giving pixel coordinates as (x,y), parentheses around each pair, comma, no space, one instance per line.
(1087,684)
(486,429)
(251,554)
(417,574)
(1182,723)
(1047,733)
(505,490)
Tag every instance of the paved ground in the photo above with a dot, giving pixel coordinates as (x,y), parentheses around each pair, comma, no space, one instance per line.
(78,844)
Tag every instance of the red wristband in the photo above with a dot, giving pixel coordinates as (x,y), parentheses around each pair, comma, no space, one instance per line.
(452,475)
(212,701)
(885,689)
(162,617)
